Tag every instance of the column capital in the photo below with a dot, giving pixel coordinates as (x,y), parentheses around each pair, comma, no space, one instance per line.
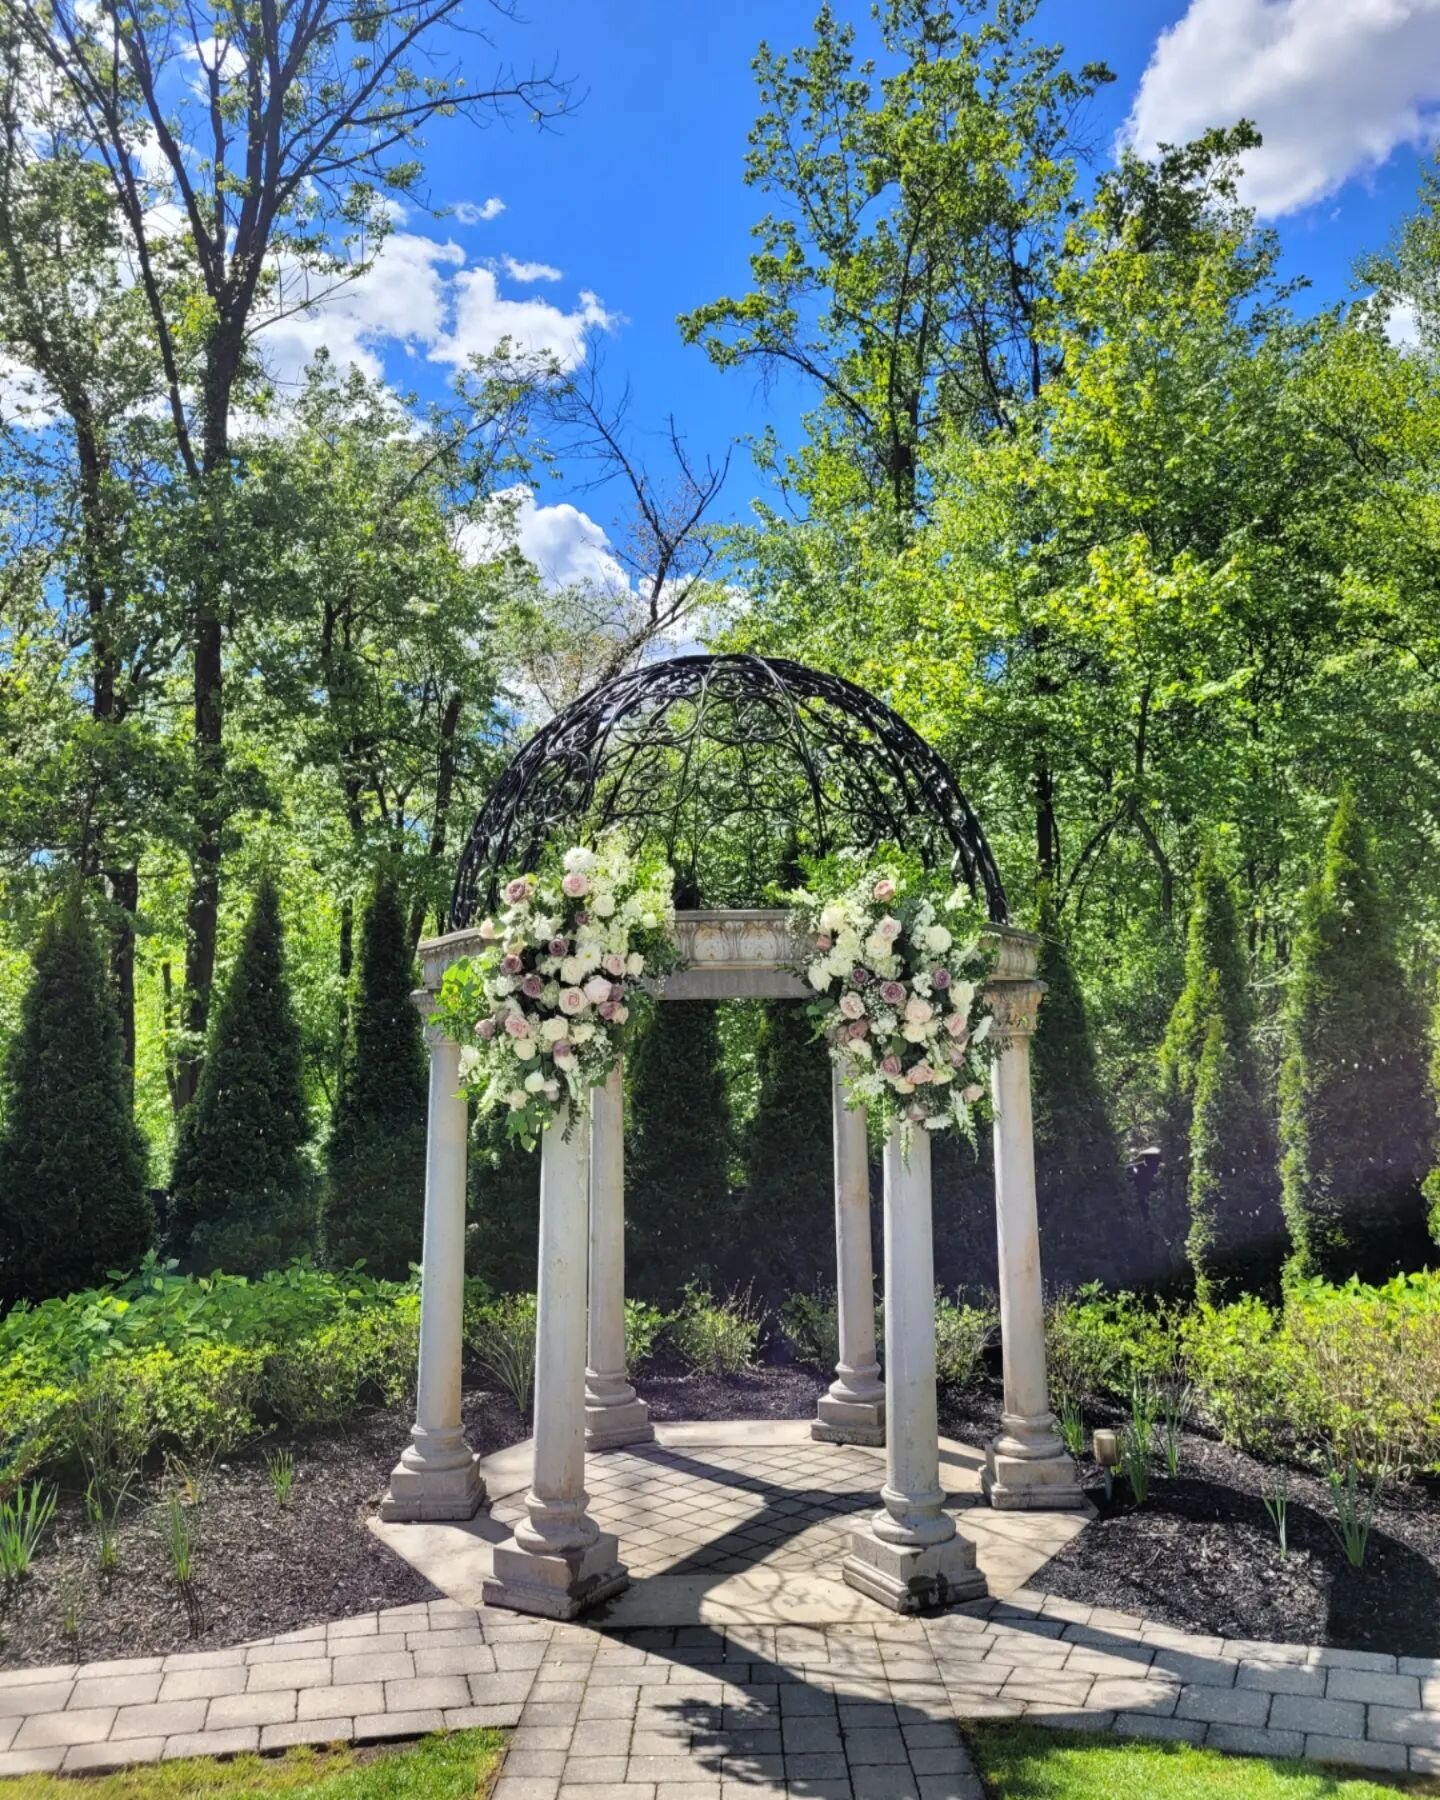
(1014,1006)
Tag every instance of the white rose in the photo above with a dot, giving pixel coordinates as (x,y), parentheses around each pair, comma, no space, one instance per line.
(579,861)
(917,1011)
(962,993)
(860,1047)
(581,1034)
(901,1086)
(913,1031)
(553,1030)
(620,1015)
(937,1122)
(525,1047)
(941,1073)
(819,974)
(971,1094)
(649,920)
(603,905)
(570,971)
(597,988)
(832,918)
(502,986)
(982,1030)
(516,1098)
(635,963)
(938,939)
(534,1082)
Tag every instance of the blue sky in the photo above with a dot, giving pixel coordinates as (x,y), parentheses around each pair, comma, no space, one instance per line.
(634,208)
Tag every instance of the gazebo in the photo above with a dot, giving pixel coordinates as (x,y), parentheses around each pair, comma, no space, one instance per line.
(735,765)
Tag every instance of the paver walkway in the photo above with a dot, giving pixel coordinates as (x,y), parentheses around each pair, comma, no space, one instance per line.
(852,1704)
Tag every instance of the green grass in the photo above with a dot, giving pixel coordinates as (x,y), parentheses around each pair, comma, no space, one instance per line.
(1029,1762)
(457,1767)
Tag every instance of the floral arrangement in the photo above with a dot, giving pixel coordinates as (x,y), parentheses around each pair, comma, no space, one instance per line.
(897,965)
(542,1012)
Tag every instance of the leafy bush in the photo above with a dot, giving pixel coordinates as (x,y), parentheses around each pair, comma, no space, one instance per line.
(1245,1371)
(1097,1345)
(716,1337)
(501,1334)
(325,1377)
(961,1334)
(643,1325)
(812,1323)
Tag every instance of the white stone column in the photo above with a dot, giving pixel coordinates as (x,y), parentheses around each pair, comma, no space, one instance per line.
(614,1416)
(558,1562)
(853,1411)
(910,1556)
(1027,1464)
(436,1476)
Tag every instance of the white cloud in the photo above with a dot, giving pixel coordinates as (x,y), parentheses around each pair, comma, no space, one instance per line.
(565,545)
(1335,86)
(484,318)
(529,271)
(468,213)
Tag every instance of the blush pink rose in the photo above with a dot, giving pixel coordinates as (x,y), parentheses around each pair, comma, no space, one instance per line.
(892,993)
(597,988)
(517,890)
(890,1066)
(920,1074)
(575,884)
(517,1025)
(858,1030)
(572,1001)
(884,889)
(824,942)
(958,1025)
(488,929)
(957,1055)
(888,927)
(852,1006)
(614,965)
(971,1094)
(917,1011)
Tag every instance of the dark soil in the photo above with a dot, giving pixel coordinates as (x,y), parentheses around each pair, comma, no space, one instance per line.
(1201,1553)
(261,1568)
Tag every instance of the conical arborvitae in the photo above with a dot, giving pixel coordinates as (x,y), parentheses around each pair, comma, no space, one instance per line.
(1242,1225)
(790,1189)
(1356,1120)
(1087,1210)
(502,1243)
(375,1192)
(1432,1180)
(1224,1253)
(73,1201)
(243,1194)
(677,1153)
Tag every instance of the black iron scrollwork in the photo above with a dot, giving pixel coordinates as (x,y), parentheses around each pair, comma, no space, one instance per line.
(729,763)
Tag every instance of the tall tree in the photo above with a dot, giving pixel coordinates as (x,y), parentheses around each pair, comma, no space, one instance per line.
(73,1203)
(1357,1125)
(242,1187)
(375,1197)
(789,1174)
(258,152)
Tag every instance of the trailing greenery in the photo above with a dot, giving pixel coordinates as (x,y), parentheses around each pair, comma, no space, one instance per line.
(1356,1118)
(72,1164)
(375,1189)
(679,1219)
(242,1186)
(1230,1201)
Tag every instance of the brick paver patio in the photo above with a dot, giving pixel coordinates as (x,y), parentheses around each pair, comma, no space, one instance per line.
(865,1706)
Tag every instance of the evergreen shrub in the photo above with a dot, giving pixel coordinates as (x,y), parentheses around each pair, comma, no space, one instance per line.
(243,1197)
(375,1186)
(789,1178)
(73,1201)
(1357,1121)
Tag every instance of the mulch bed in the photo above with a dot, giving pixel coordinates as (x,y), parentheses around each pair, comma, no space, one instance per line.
(1201,1554)
(262,1569)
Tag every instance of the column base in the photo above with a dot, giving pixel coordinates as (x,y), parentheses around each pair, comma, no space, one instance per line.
(558,1585)
(840,1421)
(1016,1482)
(445,1484)
(614,1427)
(914,1580)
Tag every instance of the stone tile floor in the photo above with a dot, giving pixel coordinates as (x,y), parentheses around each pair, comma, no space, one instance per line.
(713,1682)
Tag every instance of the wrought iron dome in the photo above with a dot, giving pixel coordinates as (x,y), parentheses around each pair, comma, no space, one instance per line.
(733,765)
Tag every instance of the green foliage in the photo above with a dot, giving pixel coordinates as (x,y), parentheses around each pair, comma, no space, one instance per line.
(503,1238)
(324,1378)
(679,1220)
(715,1336)
(1431,1185)
(280,1468)
(811,1321)
(1245,1371)
(501,1336)
(1218,1158)
(72,1165)
(1099,1345)
(1356,1119)
(1079,1175)
(643,1325)
(23,1518)
(243,1189)
(961,1335)
(789,1184)
(375,1193)
(1354,1510)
